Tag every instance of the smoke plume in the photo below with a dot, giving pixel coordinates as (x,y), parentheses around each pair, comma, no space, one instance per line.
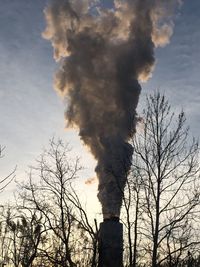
(103,54)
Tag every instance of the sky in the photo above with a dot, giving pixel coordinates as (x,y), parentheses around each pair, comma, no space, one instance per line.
(31,112)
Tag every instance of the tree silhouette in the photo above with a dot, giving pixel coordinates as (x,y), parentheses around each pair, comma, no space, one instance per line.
(166,164)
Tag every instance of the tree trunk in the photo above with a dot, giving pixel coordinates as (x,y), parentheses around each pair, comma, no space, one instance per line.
(156,230)
(135,232)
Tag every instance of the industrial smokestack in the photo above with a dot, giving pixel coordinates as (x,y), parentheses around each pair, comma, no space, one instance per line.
(111,243)
(104,53)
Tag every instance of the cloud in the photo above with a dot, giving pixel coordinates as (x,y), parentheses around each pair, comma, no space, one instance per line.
(91,181)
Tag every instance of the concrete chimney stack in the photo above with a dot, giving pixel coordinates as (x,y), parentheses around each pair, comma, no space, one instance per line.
(111,243)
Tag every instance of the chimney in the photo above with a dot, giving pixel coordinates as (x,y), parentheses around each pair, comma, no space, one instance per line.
(111,243)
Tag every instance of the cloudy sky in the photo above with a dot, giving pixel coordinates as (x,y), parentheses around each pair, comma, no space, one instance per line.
(30,110)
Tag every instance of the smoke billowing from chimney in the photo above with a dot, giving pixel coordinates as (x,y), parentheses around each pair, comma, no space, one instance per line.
(104,53)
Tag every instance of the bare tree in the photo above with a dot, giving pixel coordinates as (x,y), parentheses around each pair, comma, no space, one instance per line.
(162,196)
(4,241)
(4,245)
(72,240)
(169,169)
(132,203)
(5,181)
(21,234)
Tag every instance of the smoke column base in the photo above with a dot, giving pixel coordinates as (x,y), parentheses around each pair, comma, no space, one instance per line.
(111,243)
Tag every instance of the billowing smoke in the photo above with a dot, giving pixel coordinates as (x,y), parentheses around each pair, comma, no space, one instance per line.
(103,54)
